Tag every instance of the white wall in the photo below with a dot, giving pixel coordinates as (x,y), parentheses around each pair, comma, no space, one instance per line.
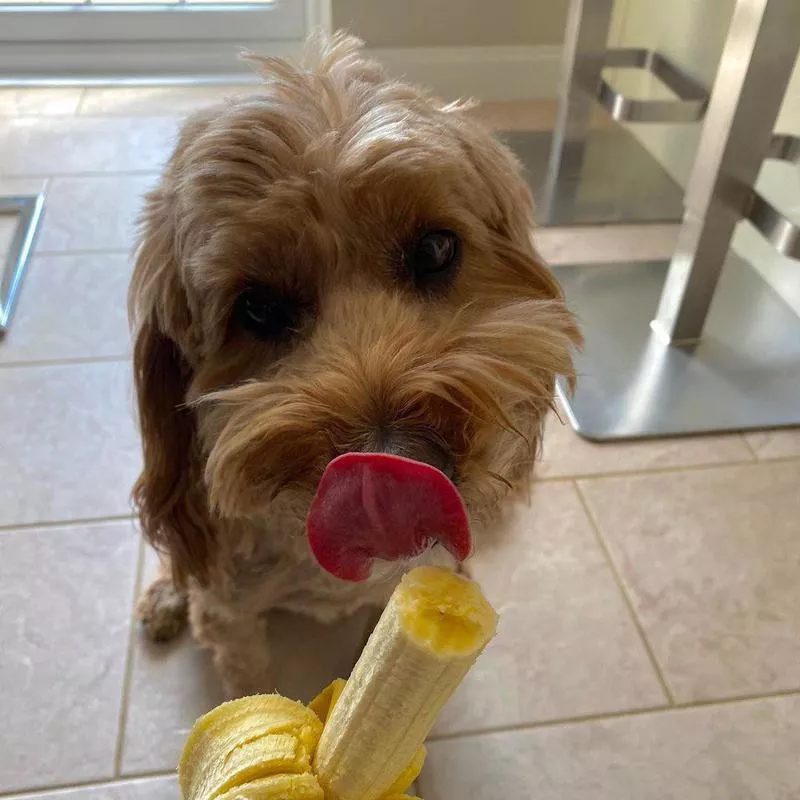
(452,23)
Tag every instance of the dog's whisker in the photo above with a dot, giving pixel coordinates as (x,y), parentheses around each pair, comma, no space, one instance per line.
(496,476)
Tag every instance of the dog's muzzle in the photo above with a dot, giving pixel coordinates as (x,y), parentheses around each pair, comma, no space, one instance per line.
(420,447)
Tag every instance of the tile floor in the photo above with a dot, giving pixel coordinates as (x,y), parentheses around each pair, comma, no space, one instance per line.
(650,637)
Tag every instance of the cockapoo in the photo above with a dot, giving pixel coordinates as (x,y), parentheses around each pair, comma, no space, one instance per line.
(339,263)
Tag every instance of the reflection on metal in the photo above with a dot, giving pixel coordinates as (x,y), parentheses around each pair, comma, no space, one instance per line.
(615,181)
(781,232)
(753,74)
(585,42)
(28,210)
(566,193)
(744,373)
(692,97)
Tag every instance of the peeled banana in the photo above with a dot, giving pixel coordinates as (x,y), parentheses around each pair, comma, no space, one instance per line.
(361,739)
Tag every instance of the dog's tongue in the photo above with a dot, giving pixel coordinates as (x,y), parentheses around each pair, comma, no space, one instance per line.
(371,505)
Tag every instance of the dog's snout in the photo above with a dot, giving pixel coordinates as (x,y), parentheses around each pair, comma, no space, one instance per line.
(419,447)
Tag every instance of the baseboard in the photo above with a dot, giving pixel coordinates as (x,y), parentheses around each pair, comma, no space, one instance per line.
(111,62)
(484,73)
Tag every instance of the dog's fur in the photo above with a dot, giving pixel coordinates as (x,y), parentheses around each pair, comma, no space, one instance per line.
(316,186)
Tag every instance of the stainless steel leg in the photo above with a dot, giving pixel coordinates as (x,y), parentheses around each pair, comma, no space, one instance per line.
(754,73)
(585,44)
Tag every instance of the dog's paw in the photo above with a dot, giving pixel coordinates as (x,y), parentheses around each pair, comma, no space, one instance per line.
(162,610)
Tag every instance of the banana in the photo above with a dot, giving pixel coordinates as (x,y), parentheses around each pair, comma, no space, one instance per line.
(434,627)
(361,739)
(245,743)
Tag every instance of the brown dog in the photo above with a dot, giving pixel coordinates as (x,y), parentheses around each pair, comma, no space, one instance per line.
(339,263)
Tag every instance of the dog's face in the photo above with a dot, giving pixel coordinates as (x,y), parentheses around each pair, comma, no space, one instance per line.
(339,264)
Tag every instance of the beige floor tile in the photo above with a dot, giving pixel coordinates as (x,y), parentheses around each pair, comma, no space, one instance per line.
(775,444)
(141,789)
(70,449)
(730,752)
(173,684)
(527,115)
(65,595)
(566,645)
(70,307)
(92,213)
(567,454)
(158,100)
(712,559)
(601,244)
(39,101)
(13,186)
(519,115)
(72,145)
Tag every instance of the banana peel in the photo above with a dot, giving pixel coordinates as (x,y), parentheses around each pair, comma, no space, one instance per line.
(261,748)
(361,739)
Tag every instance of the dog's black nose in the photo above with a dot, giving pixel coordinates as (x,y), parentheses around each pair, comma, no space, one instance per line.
(417,446)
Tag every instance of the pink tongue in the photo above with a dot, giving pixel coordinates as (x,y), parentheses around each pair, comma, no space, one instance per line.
(372,505)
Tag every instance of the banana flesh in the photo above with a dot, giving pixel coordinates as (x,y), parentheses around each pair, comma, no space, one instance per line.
(434,627)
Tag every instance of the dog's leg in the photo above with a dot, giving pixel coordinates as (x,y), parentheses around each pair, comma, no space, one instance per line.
(237,638)
(162,608)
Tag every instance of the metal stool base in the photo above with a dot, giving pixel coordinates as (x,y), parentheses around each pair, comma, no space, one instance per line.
(615,180)
(743,374)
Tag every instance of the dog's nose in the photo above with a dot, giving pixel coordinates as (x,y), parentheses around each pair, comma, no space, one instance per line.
(418,447)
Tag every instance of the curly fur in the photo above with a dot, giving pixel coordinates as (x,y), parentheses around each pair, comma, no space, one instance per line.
(314,185)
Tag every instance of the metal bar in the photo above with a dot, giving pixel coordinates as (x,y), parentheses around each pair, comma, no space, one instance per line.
(751,81)
(780,231)
(28,210)
(585,42)
(691,98)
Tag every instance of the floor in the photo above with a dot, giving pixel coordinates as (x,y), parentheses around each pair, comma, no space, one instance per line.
(649,644)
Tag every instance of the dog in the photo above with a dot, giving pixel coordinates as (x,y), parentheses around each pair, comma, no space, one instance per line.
(338,264)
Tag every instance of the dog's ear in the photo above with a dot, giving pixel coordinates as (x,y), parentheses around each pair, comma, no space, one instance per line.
(168,494)
(512,212)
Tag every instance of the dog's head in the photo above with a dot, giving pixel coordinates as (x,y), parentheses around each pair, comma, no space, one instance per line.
(337,264)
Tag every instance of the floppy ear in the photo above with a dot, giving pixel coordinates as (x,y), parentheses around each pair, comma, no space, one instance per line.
(512,217)
(169,493)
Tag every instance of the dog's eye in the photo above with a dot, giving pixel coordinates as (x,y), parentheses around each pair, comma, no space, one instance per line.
(433,256)
(265,314)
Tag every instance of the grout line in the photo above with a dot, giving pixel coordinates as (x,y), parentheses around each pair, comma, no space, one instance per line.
(128,674)
(65,523)
(179,116)
(32,115)
(102,251)
(617,715)
(625,595)
(550,723)
(96,784)
(81,100)
(154,171)
(749,447)
(621,473)
(59,362)
(138,81)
